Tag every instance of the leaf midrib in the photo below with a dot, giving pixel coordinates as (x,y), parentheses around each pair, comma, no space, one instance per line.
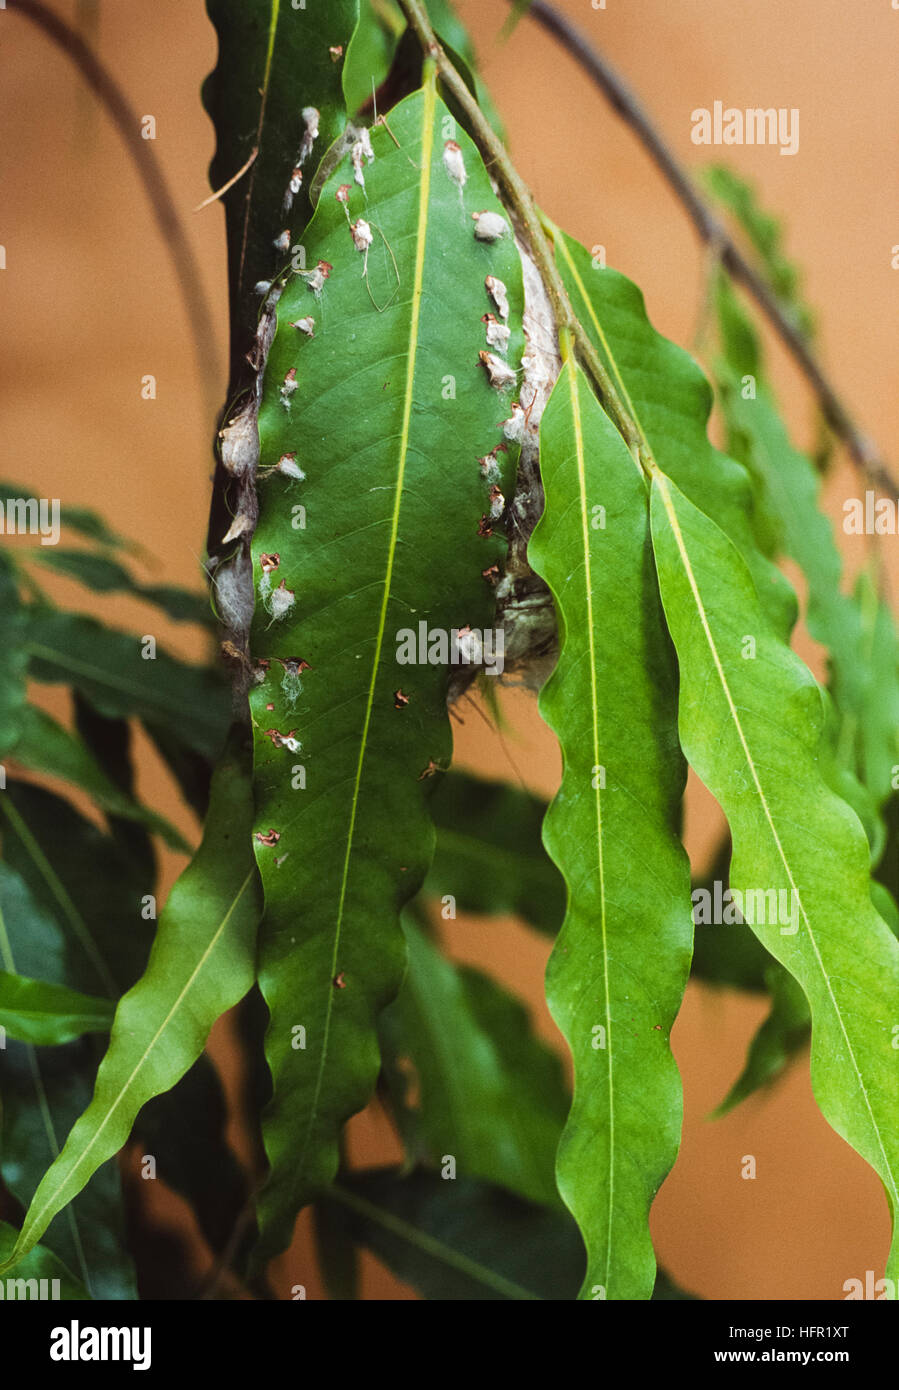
(430,1245)
(594,712)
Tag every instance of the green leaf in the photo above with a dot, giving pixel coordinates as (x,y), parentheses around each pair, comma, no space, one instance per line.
(519,10)
(860,738)
(274,60)
(876,724)
(13,659)
(43,1092)
(40,1263)
(105,575)
(45,746)
(86,884)
(33,1011)
(87,523)
(395,506)
(371,51)
(461,1240)
(491,1094)
(766,236)
(490,855)
(110,670)
(788,487)
(670,400)
(751,730)
(783,1033)
(618,971)
(200,965)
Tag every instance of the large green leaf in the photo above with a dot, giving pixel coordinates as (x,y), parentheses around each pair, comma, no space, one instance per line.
(751,718)
(371,51)
(382,43)
(670,400)
(123,675)
(392,412)
(275,60)
(464,1240)
(45,746)
(34,1011)
(185,1128)
(70,897)
(89,886)
(43,1091)
(490,1093)
(461,1239)
(105,575)
(200,965)
(860,745)
(617,974)
(490,856)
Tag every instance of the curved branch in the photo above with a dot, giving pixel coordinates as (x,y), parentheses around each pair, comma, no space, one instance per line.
(713,232)
(150,172)
(532,227)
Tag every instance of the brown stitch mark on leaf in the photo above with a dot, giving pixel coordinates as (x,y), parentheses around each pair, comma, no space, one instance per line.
(499,373)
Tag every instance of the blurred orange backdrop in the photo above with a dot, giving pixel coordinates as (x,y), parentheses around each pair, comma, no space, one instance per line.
(91,306)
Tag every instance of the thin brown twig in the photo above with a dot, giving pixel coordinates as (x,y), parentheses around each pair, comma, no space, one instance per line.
(713,232)
(235,178)
(146,163)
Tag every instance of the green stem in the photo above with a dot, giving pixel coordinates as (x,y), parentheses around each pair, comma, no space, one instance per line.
(519,199)
(430,1246)
(50,877)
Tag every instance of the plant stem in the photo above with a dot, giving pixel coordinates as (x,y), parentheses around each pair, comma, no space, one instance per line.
(152,176)
(862,449)
(520,201)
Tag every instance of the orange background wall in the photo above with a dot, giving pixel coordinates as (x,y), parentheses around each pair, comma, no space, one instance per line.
(90,306)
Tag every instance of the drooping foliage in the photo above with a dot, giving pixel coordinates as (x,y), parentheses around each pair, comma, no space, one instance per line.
(443,416)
